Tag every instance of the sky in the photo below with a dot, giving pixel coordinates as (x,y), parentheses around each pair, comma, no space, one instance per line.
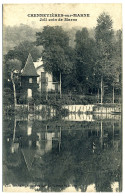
(16,14)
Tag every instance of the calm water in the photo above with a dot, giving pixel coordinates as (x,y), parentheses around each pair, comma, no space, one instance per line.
(63,154)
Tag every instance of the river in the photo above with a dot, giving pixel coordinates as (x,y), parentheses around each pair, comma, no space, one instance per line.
(82,153)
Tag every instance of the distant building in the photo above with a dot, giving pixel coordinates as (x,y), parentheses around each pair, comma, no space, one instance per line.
(34,79)
(45,79)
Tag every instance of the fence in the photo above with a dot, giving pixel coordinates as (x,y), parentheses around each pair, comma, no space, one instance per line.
(93,108)
(97,108)
(26,108)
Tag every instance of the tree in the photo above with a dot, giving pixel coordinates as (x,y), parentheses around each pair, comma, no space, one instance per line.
(21,52)
(52,35)
(56,58)
(104,30)
(85,49)
(14,67)
(117,62)
(18,55)
(104,43)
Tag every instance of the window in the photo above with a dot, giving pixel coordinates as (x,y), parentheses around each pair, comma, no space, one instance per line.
(30,80)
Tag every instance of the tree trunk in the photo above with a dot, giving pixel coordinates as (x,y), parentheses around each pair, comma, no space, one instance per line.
(98,95)
(101,89)
(113,95)
(101,135)
(14,89)
(46,95)
(60,86)
(14,133)
(14,130)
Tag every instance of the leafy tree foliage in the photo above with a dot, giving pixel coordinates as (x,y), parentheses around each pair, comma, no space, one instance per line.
(52,36)
(21,52)
(79,68)
(104,30)
(57,55)
(15,60)
(13,67)
(117,57)
(104,42)
(107,65)
(85,55)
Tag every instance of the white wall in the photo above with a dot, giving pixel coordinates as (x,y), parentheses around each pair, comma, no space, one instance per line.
(50,86)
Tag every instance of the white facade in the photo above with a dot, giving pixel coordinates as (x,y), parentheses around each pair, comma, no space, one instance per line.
(49,78)
(79,108)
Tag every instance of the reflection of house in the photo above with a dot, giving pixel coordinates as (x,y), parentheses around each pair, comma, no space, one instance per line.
(38,143)
(48,141)
(34,77)
(33,142)
(78,117)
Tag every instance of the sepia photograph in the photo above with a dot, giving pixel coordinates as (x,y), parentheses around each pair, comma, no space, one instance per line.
(62,97)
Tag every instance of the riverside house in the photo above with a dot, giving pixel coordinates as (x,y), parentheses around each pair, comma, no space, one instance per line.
(35,80)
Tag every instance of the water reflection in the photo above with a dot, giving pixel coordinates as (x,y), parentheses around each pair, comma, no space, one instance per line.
(63,155)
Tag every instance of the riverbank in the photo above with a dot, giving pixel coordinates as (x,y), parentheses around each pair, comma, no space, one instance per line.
(46,110)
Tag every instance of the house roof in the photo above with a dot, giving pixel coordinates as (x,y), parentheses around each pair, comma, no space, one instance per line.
(38,63)
(29,69)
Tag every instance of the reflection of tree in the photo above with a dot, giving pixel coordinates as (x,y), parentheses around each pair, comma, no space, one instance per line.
(108,169)
(76,164)
(71,166)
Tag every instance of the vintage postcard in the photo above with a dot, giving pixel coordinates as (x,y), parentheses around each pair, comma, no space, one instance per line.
(62,97)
